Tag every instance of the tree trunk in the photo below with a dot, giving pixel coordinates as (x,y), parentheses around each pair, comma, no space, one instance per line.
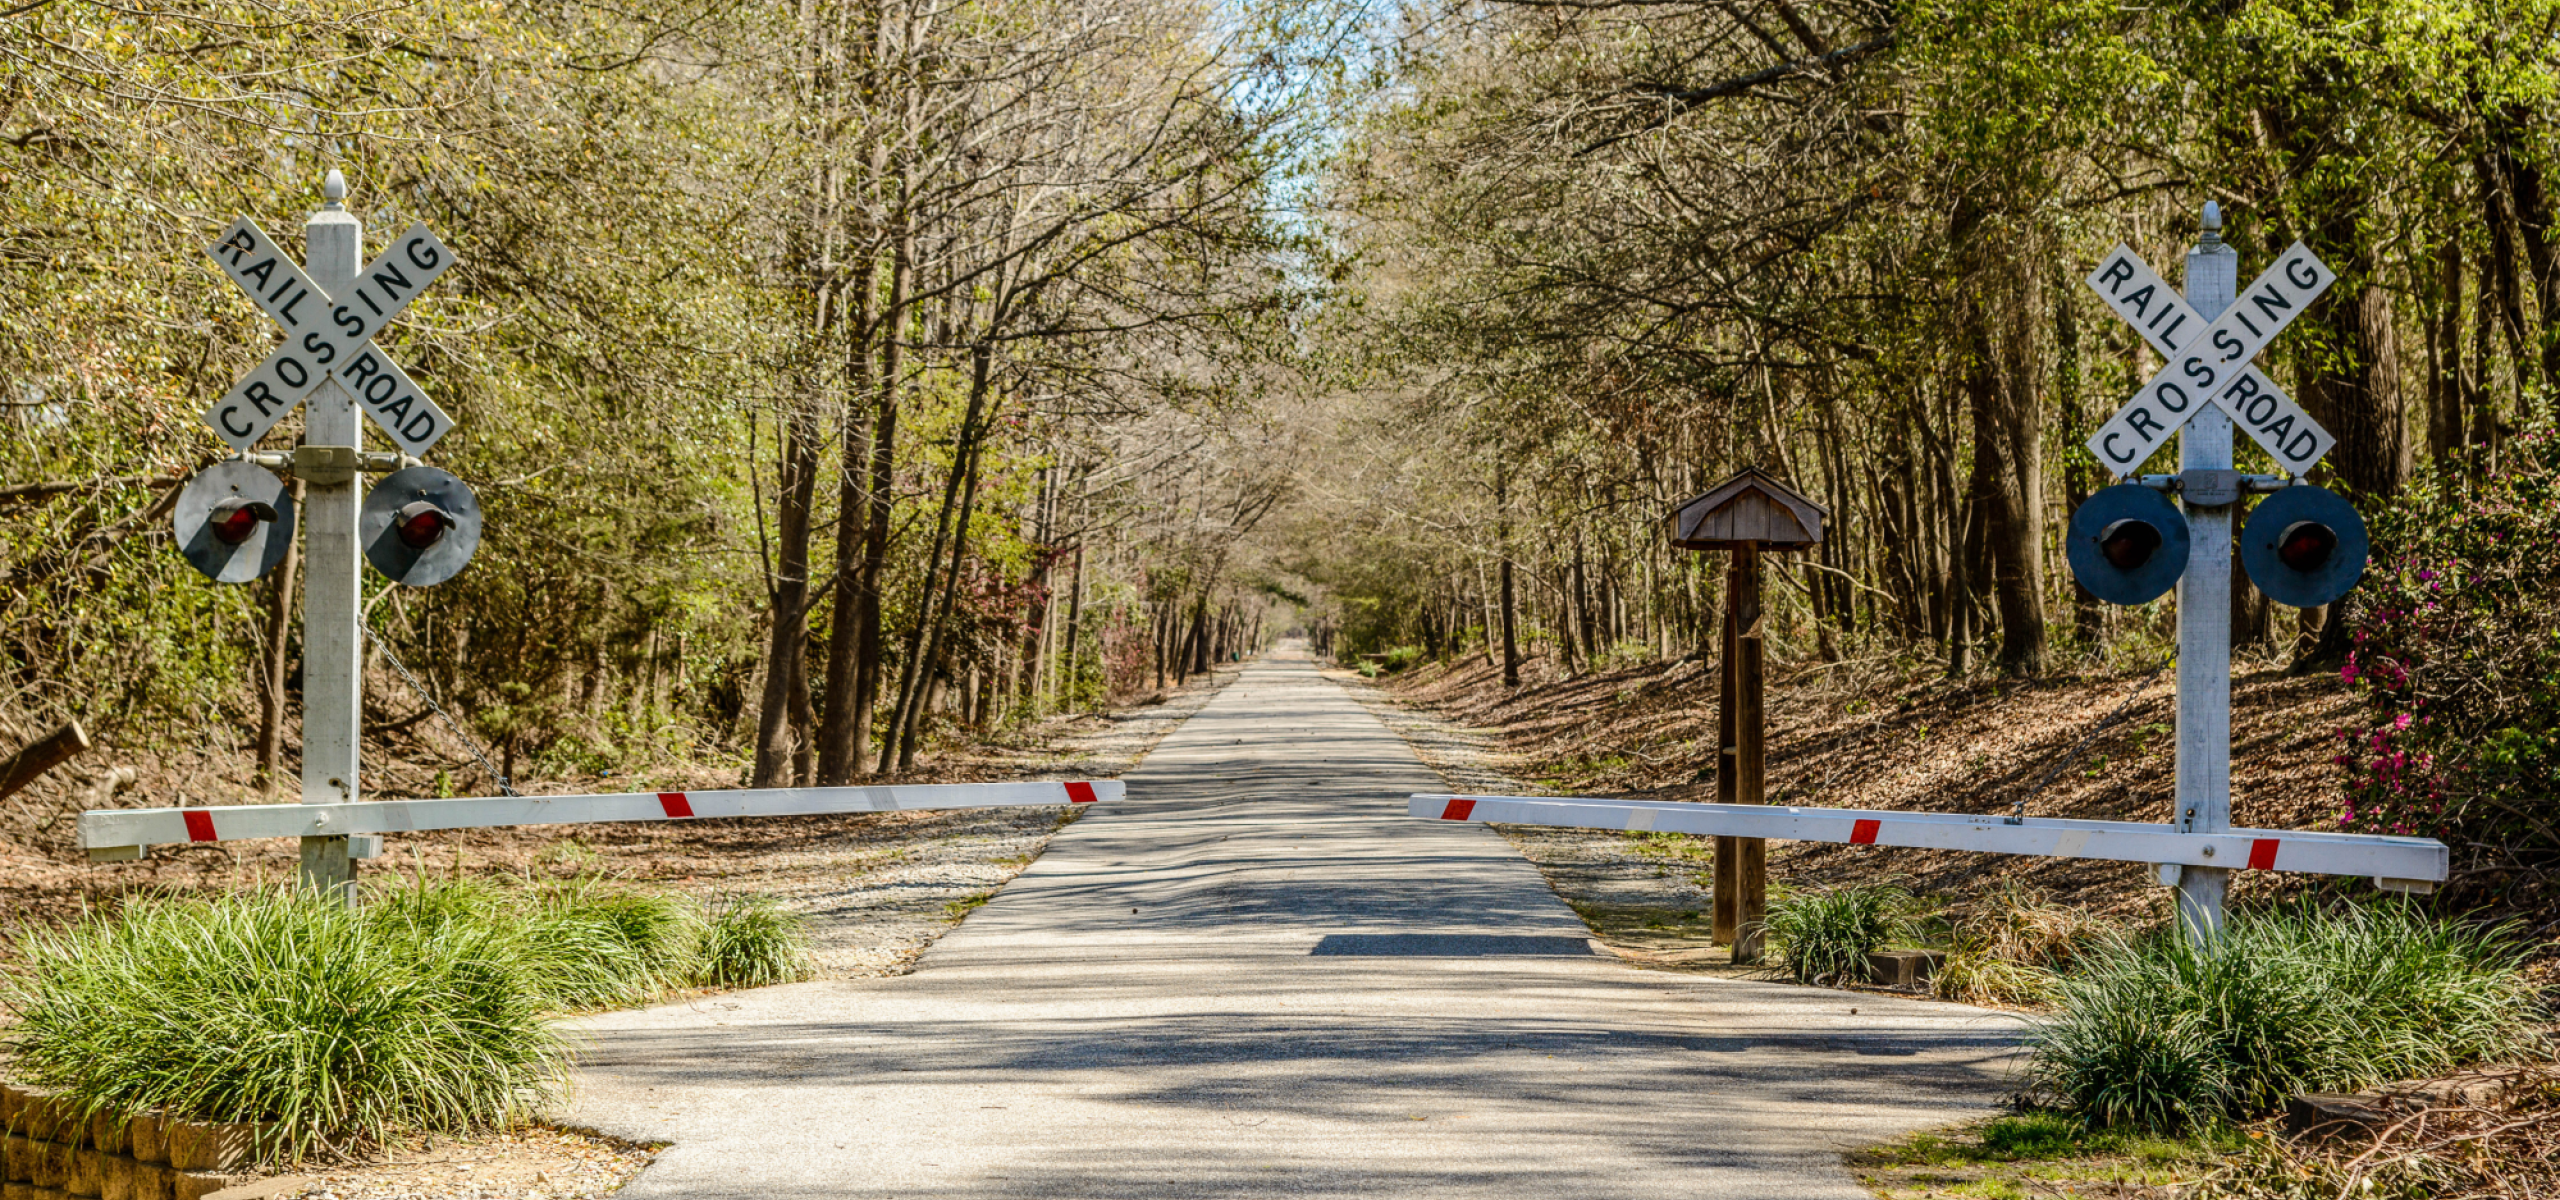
(786,648)
(963,474)
(841,738)
(271,698)
(1068,673)
(1510,600)
(2008,450)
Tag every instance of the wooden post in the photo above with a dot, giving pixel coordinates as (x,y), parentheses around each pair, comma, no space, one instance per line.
(39,756)
(1741,870)
(1743,516)
(1728,869)
(1751,855)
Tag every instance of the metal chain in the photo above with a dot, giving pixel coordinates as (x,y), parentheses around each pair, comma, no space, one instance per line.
(2018,812)
(467,740)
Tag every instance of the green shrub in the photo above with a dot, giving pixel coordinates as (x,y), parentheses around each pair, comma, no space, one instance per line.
(425,1009)
(749,941)
(2455,633)
(2163,1034)
(1825,937)
(267,1006)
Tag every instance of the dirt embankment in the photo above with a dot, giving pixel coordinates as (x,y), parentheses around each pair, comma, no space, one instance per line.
(1886,735)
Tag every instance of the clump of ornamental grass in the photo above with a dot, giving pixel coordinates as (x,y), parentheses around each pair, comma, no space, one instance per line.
(749,941)
(1824,938)
(591,944)
(272,1007)
(2166,1032)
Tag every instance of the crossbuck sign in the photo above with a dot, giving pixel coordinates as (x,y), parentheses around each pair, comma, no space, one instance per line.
(329,337)
(2209,364)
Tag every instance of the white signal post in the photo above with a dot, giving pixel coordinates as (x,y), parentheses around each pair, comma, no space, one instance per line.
(2204,613)
(332,570)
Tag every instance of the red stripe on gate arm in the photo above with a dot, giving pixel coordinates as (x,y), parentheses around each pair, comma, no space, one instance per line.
(1458,810)
(1864,832)
(199,825)
(676,805)
(1079,793)
(2262,854)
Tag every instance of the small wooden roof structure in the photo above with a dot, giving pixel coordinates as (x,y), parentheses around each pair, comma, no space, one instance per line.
(1751,507)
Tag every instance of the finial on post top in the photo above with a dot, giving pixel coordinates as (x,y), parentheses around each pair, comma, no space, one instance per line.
(335,188)
(2212,223)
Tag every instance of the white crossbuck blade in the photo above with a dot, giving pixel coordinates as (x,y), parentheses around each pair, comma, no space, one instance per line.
(121,833)
(2394,859)
(2210,364)
(328,339)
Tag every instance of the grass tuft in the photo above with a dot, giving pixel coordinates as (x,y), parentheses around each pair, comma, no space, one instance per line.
(2016,951)
(1824,938)
(590,944)
(2162,1034)
(749,941)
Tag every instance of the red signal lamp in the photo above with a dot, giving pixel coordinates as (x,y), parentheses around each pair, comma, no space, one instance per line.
(421,524)
(2129,543)
(233,521)
(2306,545)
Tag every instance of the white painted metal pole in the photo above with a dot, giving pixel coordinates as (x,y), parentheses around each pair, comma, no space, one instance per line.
(2204,612)
(332,596)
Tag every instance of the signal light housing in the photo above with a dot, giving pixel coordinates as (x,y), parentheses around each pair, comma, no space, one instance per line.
(2304,546)
(2127,544)
(233,521)
(419,526)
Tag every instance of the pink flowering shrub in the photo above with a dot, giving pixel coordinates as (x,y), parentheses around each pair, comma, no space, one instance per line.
(2456,635)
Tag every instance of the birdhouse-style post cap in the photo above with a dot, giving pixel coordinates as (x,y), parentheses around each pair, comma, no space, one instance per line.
(1752,508)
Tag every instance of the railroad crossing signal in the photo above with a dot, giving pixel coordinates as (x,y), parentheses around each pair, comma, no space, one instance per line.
(234,521)
(326,338)
(2304,546)
(2210,363)
(2127,544)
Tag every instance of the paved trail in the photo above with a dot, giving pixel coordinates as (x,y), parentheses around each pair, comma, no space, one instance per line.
(1256,976)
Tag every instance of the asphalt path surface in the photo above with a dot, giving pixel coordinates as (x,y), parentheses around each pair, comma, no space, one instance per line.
(1257,976)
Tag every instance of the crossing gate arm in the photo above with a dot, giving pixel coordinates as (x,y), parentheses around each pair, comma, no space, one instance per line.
(2395,863)
(120,834)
